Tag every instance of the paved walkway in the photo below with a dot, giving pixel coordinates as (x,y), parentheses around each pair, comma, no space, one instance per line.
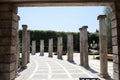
(45,68)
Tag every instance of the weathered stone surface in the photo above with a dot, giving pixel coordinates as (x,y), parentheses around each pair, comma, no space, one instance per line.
(81,46)
(28,46)
(114,41)
(24,47)
(85,46)
(70,47)
(114,32)
(50,48)
(103,47)
(59,48)
(8,39)
(33,47)
(41,47)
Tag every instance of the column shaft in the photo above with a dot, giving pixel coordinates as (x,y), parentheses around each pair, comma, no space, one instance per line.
(81,47)
(51,47)
(41,47)
(85,47)
(59,48)
(103,47)
(8,41)
(17,47)
(28,46)
(24,47)
(70,47)
(33,47)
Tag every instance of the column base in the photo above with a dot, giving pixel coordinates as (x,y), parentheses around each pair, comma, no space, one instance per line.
(71,61)
(24,67)
(28,61)
(41,54)
(50,56)
(104,75)
(60,58)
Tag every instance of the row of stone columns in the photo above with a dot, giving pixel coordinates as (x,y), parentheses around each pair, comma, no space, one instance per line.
(83,47)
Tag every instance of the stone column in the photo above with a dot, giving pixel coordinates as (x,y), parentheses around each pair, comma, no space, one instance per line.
(59,48)
(41,47)
(8,40)
(28,46)
(50,48)
(33,47)
(70,47)
(81,46)
(85,46)
(115,9)
(24,47)
(103,47)
(17,47)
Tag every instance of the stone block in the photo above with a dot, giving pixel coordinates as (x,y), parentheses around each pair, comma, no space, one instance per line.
(115,58)
(7,49)
(114,23)
(116,67)
(7,58)
(114,31)
(115,76)
(115,49)
(7,41)
(6,24)
(6,15)
(7,67)
(114,41)
(5,7)
(8,32)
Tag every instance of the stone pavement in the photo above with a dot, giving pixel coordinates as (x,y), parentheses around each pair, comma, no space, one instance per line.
(45,68)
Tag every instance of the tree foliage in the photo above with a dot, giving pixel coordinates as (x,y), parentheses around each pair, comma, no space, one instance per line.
(38,35)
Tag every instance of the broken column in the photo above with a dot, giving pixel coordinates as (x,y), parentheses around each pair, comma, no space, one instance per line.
(59,48)
(81,46)
(103,46)
(70,47)
(24,47)
(50,48)
(33,47)
(85,46)
(41,47)
(28,46)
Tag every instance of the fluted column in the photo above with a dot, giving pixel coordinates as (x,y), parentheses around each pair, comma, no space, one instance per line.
(41,47)
(28,46)
(103,47)
(50,48)
(59,48)
(24,47)
(33,47)
(81,46)
(70,47)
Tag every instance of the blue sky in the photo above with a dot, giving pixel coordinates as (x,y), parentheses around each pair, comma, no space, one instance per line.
(67,19)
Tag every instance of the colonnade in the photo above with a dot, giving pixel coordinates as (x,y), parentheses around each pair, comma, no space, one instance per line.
(84,60)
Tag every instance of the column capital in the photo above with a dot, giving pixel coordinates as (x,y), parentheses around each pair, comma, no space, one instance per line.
(85,27)
(24,26)
(101,16)
(80,29)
